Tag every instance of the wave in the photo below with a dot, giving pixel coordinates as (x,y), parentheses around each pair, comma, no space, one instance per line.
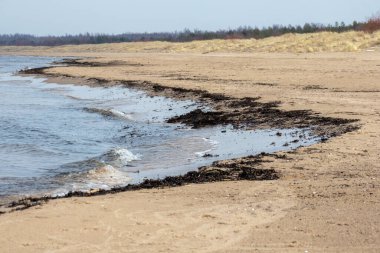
(205,152)
(101,172)
(202,153)
(106,174)
(117,157)
(102,177)
(120,156)
(109,113)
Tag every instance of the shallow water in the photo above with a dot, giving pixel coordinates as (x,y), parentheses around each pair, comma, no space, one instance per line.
(56,138)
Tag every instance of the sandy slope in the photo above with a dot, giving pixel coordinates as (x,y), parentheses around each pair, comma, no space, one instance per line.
(327,200)
(295,43)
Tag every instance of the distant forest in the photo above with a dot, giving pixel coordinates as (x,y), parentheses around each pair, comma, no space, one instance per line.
(186,35)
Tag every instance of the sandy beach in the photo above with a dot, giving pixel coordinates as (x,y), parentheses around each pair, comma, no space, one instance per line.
(327,196)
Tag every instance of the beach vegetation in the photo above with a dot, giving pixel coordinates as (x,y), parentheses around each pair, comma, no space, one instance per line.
(244,32)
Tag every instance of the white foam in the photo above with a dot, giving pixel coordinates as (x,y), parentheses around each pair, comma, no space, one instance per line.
(107,169)
(125,156)
(105,177)
(202,153)
(213,146)
(212,142)
(121,114)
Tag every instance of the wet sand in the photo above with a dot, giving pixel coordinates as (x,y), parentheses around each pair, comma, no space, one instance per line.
(327,197)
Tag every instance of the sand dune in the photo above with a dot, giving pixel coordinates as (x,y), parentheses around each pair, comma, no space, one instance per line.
(293,43)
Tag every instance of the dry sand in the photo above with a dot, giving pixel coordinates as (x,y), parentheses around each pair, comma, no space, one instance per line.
(327,199)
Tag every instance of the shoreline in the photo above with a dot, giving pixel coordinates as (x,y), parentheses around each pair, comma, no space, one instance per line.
(244,168)
(326,199)
(226,110)
(249,112)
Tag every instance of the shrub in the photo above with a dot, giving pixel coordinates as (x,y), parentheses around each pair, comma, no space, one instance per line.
(372,25)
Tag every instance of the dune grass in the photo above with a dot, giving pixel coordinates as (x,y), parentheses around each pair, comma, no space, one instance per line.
(293,43)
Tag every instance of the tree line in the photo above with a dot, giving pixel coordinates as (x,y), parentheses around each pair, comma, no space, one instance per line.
(245,32)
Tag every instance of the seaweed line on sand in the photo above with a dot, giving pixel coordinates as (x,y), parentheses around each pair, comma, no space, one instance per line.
(231,170)
(246,112)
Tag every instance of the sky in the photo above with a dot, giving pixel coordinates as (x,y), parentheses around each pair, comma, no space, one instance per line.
(59,17)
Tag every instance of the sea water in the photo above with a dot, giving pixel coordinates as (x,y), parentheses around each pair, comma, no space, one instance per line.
(56,138)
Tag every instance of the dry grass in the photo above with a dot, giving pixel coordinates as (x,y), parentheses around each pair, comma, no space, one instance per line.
(293,43)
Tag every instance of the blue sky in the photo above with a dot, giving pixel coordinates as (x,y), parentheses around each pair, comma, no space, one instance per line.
(57,17)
